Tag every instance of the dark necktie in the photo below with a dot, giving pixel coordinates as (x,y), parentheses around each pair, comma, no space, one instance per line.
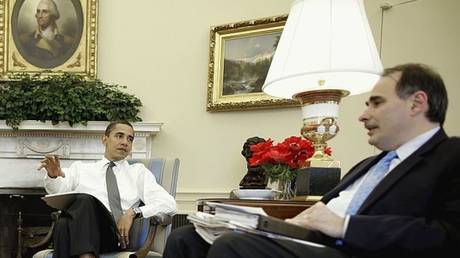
(113,193)
(376,174)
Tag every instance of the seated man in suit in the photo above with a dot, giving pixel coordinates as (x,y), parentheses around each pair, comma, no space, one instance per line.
(402,203)
(101,222)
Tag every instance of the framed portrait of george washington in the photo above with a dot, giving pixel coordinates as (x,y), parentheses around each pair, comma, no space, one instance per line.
(50,36)
(240,55)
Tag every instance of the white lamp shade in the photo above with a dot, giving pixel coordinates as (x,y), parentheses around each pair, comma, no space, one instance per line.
(324,40)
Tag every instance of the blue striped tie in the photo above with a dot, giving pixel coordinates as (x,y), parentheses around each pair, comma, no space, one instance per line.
(375,175)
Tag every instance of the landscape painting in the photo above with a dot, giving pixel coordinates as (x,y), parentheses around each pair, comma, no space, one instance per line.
(246,63)
(240,55)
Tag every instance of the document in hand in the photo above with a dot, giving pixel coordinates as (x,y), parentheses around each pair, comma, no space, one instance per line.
(245,219)
(256,218)
(61,201)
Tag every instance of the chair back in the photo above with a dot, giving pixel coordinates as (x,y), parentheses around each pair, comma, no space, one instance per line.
(164,170)
(166,173)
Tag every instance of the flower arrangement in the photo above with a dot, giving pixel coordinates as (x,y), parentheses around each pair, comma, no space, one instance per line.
(280,161)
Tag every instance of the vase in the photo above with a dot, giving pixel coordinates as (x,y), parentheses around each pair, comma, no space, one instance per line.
(285,186)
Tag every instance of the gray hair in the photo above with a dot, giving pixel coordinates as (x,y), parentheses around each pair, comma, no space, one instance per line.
(52,7)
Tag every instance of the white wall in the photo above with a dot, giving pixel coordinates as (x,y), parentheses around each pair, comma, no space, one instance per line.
(159,49)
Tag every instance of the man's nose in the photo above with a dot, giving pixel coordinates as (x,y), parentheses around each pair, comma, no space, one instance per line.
(364,116)
(124,141)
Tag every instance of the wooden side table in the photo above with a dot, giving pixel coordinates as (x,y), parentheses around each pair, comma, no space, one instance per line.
(276,208)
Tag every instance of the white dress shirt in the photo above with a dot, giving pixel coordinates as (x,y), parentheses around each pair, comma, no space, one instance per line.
(135,183)
(340,203)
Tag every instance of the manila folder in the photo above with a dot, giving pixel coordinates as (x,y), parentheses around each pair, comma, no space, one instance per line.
(61,201)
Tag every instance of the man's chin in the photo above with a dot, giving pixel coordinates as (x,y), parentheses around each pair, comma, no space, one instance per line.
(121,156)
(372,141)
(379,144)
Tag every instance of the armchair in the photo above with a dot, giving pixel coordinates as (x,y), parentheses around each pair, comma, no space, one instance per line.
(148,235)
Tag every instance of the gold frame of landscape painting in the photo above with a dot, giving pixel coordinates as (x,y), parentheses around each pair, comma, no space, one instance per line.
(63,38)
(239,58)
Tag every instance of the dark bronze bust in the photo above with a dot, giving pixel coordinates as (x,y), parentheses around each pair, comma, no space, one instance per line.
(255,178)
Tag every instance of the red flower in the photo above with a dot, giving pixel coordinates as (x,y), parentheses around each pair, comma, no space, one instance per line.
(259,151)
(283,159)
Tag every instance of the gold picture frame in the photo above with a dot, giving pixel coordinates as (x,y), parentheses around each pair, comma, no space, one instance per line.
(35,43)
(239,58)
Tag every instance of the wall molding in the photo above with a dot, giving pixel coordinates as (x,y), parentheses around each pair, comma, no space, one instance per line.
(187,200)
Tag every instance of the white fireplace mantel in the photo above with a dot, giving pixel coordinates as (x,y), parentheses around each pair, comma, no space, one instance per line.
(21,150)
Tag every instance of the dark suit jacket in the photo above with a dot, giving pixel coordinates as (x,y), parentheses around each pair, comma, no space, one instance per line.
(415,209)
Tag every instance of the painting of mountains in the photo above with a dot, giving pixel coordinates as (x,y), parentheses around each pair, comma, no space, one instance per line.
(246,63)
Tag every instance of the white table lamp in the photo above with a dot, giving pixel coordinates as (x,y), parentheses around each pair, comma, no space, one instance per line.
(326,52)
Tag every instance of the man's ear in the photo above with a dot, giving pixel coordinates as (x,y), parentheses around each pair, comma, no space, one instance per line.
(419,103)
(104,139)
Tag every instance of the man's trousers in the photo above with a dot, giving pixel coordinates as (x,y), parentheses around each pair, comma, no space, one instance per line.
(184,242)
(85,227)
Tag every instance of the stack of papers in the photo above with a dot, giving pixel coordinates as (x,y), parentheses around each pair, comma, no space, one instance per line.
(208,227)
(245,219)
(242,215)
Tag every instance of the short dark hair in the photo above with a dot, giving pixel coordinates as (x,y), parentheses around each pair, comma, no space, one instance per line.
(415,77)
(114,123)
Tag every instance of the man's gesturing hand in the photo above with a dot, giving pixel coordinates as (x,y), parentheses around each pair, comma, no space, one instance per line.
(52,165)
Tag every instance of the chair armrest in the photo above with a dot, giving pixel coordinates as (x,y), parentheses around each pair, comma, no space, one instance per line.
(159,220)
(162,219)
(54,217)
